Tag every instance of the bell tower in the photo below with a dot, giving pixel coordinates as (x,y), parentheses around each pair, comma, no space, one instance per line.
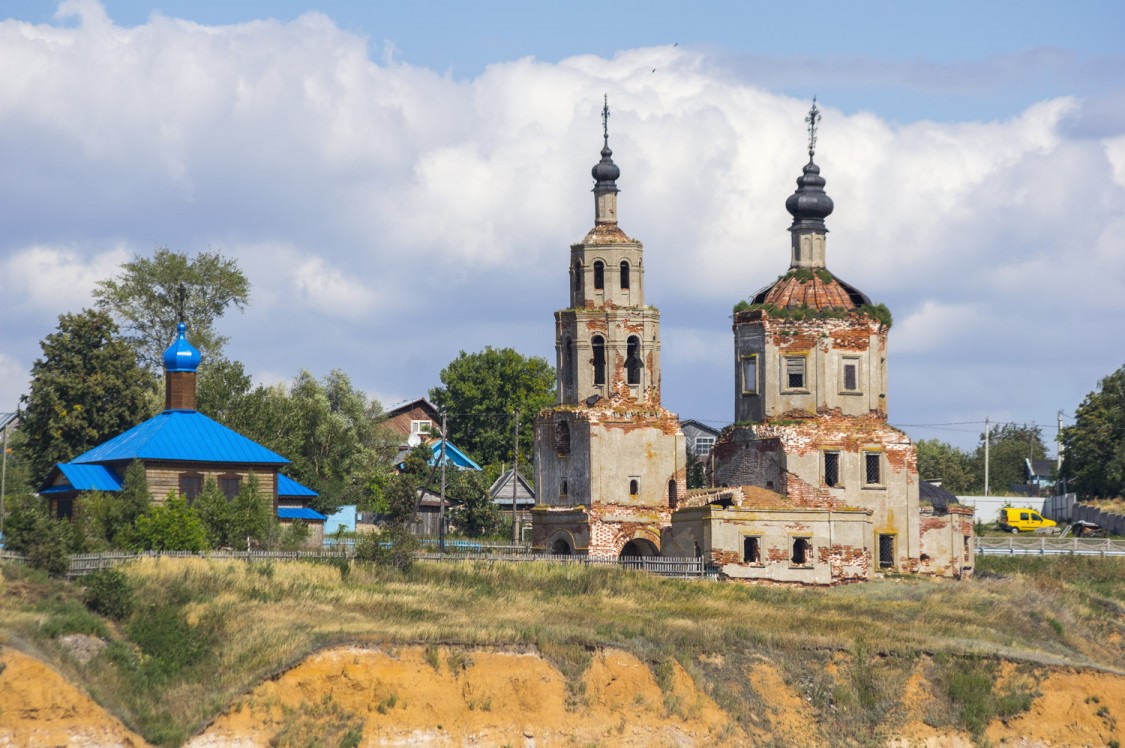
(607,341)
(608,442)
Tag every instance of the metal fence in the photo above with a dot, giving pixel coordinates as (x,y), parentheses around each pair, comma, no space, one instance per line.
(1043,545)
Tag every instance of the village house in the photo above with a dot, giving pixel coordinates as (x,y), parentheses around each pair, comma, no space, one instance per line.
(180,449)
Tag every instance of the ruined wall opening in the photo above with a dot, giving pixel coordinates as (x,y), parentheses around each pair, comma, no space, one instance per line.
(598,345)
(561,547)
(577,277)
(639,547)
(872,463)
(568,366)
(802,552)
(599,275)
(624,275)
(633,360)
(562,438)
(634,487)
(752,550)
(672,492)
(886,551)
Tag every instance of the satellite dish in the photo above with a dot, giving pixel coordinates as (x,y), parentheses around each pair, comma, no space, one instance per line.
(414,440)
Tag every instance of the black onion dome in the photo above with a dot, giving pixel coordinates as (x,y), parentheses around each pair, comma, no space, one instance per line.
(809,205)
(605,172)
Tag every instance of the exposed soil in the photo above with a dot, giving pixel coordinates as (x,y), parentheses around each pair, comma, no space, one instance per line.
(440,697)
(39,708)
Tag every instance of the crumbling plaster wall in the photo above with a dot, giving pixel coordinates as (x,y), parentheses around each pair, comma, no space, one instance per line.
(840,542)
(947,541)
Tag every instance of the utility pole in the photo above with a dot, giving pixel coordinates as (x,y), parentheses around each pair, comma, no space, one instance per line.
(441,504)
(1059,445)
(515,484)
(986,437)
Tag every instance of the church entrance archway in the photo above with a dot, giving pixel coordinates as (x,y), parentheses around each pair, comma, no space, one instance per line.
(639,547)
(561,547)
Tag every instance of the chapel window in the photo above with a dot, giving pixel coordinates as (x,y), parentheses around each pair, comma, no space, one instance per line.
(751,549)
(624,275)
(795,372)
(831,469)
(750,375)
(802,552)
(872,468)
(633,360)
(599,275)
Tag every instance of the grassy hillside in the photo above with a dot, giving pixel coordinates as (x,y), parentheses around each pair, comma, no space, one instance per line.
(199,634)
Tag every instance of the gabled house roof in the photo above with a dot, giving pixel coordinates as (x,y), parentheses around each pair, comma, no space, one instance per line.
(453,456)
(692,423)
(287,488)
(299,512)
(183,436)
(937,496)
(501,491)
(406,407)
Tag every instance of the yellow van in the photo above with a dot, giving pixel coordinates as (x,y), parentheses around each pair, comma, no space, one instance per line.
(1022,519)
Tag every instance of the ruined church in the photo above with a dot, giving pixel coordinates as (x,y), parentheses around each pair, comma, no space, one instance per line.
(810,485)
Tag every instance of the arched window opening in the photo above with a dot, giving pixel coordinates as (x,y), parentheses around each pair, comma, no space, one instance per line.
(563,487)
(562,439)
(633,360)
(624,274)
(672,492)
(598,344)
(578,277)
(599,275)
(634,487)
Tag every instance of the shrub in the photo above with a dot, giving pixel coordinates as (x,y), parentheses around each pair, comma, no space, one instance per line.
(108,593)
(394,546)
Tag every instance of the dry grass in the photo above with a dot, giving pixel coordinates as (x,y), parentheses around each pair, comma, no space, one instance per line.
(248,621)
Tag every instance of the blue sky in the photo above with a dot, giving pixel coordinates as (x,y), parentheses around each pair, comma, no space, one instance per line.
(403,180)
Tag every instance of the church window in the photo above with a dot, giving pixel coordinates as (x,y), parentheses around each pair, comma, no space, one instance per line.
(802,552)
(633,360)
(562,438)
(634,486)
(750,374)
(191,485)
(886,551)
(795,372)
(751,549)
(563,487)
(599,275)
(831,469)
(577,276)
(598,344)
(673,492)
(850,373)
(624,275)
(872,465)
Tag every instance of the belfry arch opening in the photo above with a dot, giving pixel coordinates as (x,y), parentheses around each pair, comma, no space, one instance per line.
(599,275)
(624,275)
(577,277)
(633,360)
(568,365)
(598,346)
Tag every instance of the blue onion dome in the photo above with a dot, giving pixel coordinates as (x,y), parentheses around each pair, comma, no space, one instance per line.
(181,355)
(809,205)
(605,172)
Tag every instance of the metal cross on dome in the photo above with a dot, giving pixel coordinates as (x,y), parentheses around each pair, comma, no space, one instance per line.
(812,120)
(605,117)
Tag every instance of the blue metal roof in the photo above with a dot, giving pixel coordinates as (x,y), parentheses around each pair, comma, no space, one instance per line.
(299,512)
(287,488)
(453,456)
(87,478)
(181,435)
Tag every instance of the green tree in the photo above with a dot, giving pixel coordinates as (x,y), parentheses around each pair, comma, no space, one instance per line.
(171,526)
(938,460)
(144,299)
(29,529)
(476,515)
(222,390)
(217,513)
(251,517)
(481,391)
(86,389)
(1010,444)
(1094,447)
